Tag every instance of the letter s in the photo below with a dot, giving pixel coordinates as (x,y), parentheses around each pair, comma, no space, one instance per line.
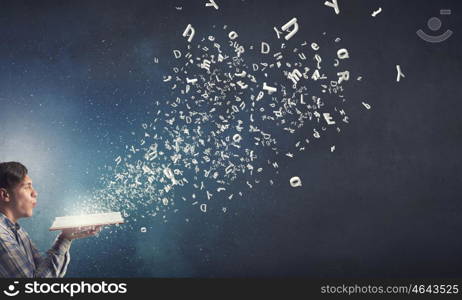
(29,289)
(122,288)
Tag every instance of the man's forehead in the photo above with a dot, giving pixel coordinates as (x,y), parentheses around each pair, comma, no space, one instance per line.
(26,180)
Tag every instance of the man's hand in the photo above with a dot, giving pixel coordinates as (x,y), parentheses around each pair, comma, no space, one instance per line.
(80,232)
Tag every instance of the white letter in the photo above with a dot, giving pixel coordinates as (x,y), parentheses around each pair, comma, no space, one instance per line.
(400,74)
(232,35)
(342,53)
(122,288)
(294,30)
(211,3)
(295,76)
(268,88)
(366,105)
(328,118)
(203,207)
(295,181)
(263,45)
(29,289)
(333,5)
(343,76)
(177,53)
(260,95)
(189,31)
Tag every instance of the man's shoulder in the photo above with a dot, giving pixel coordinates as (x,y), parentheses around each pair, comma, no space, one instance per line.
(6,236)
(4,230)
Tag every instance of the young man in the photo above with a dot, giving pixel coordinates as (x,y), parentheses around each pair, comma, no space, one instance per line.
(18,255)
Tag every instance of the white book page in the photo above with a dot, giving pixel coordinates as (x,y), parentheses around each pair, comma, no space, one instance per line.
(87,220)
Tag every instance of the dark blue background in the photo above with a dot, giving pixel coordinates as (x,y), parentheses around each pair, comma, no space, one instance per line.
(76,78)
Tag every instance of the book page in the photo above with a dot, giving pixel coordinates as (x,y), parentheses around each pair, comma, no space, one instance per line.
(87,220)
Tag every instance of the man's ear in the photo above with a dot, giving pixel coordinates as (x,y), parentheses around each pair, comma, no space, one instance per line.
(4,195)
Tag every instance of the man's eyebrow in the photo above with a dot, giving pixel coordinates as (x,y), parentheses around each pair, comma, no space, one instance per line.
(27,183)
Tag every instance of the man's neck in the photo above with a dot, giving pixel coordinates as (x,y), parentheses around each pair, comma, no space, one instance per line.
(8,214)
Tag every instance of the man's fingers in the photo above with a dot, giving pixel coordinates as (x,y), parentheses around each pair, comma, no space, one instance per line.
(82,235)
(82,231)
(88,233)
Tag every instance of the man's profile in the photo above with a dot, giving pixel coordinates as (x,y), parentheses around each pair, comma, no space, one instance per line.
(18,255)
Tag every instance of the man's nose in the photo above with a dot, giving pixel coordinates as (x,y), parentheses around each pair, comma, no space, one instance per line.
(34,194)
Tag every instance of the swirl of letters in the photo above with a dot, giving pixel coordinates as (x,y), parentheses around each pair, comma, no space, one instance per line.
(233,111)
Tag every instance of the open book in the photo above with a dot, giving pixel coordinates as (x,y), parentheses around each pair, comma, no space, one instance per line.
(87,220)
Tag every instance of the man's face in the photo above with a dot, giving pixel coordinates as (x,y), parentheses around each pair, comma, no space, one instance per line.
(23,198)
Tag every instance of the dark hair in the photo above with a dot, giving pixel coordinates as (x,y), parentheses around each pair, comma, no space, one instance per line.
(11,174)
